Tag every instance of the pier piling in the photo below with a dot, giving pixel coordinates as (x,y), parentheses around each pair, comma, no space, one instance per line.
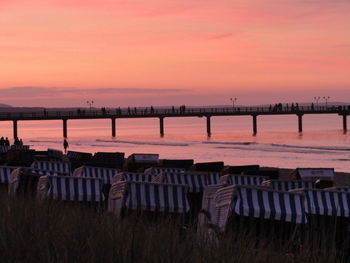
(345,124)
(255,124)
(113,127)
(161,126)
(15,134)
(300,122)
(208,126)
(65,128)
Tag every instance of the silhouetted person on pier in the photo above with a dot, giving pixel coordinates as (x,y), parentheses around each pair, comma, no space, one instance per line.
(65,145)
(7,141)
(152,109)
(312,107)
(128,110)
(292,107)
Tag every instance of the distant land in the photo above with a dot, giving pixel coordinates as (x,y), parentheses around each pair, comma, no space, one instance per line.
(5,105)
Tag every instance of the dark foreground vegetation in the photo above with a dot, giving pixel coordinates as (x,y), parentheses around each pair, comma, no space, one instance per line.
(55,232)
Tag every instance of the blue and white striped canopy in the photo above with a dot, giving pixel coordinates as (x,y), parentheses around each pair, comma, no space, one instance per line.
(156,197)
(328,203)
(106,174)
(195,181)
(132,177)
(242,179)
(269,204)
(68,188)
(158,170)
(62,167)
(286,185)
(4,148)
(5,173)
(213,178)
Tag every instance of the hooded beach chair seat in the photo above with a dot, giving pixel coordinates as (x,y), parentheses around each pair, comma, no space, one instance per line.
(258,202)
(286,185)
(5,173)
(68,188)
(62,167)
(158,170)
(242,179)
(196,181)
(24,180)
(133,177)
(208,205)
(106,174)
(148,197)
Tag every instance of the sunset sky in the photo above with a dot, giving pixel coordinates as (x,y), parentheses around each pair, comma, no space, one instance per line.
(173,52)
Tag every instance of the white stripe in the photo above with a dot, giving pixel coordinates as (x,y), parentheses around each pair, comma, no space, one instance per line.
(266,205)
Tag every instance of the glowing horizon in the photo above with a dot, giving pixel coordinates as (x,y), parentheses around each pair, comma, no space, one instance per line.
(168,53)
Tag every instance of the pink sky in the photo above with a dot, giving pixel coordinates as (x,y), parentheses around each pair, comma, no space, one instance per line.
(164,52)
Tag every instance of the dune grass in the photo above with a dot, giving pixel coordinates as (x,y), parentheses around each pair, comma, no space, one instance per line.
(31,231)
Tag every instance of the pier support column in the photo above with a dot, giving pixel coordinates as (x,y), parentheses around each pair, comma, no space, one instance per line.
(255,124)
(208,126)
(161,126)
(300,122)
(113,127)
(345,124)
(15,134)
(65,128)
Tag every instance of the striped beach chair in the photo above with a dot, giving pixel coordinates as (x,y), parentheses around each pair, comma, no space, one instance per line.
(258,202)
(158,170)
(128,196)
(106,174)
(207,213)
(196,181)
(133,177)
(68,188)
(24,180)
(5,173)
(286,185)
(61,167)
(242,179)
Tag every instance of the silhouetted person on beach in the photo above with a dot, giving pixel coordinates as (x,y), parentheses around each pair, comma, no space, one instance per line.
(65,145)
(2,141)
(7,142)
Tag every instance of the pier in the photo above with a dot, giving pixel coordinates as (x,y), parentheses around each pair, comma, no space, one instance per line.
(170,112)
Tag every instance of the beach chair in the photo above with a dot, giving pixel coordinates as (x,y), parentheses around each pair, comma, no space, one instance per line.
(106,174)
(328,212)
(259,213)
(71,189)
(312,174)
(196,182)
(133,177)
(150,199)
(230,179)
(23,181)
(61,167)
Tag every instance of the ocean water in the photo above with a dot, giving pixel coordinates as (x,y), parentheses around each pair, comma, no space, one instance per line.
(277,143)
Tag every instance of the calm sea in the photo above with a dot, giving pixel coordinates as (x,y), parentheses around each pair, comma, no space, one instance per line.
(278,143)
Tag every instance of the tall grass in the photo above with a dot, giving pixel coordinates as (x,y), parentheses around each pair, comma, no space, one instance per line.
(56,232)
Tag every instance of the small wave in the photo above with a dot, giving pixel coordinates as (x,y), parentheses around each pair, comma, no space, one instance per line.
(325,148)
(44,141)
(231,143)
(144,143)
